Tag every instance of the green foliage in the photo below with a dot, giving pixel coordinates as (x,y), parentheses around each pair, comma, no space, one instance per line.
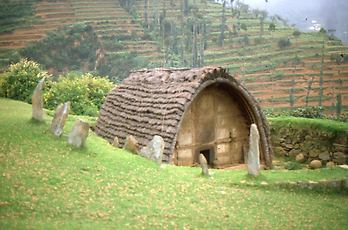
(296,33)
(271,27)
(309,112)
(258,41)
(69,46)
(243,26)
(15,14)
(20,82)
(336,57)
(85,93)
(284,42)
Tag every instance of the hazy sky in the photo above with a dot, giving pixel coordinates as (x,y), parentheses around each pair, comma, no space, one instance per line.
(330,14)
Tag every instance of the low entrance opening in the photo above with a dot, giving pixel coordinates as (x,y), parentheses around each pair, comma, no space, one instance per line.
(206,154)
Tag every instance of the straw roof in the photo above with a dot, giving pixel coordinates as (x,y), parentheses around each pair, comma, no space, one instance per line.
(153,102)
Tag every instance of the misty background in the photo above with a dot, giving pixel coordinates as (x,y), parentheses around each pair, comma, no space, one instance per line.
(309,15)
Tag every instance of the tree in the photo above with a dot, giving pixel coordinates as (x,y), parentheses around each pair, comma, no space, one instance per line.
(309,89)
(223,20)
(271,27)
(284,42)
(296,33)
(246,39)
(263,16)
(243,26)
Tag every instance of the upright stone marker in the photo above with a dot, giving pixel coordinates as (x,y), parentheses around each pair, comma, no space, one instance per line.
(131,145)
(254,152)
(79,133)
(204,164)
(37,103)
(116,143)
(59,118)
(154,150)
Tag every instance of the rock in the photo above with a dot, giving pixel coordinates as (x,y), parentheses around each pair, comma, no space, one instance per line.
(313,184)
(324,156)
(345,183)
(292,184)
(203,163)
(264,183)
(335,183)
(79,133)
(296,146)
(154,150)
(340,148)
(59,118)
(300,158)
(37,103)
(280,151)
(254,152)
(302,184)
(116,143)
(293,153)
(288,146)
(340,158)
(330,164)
(314,152)
(315,164)
(131,145)
(324,184)
(280,183)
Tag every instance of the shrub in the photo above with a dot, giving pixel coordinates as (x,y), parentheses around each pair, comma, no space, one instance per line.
(284,42)
(309,112)
(271,27)
(258,41)
(20,82)
(85,93)
(296,33)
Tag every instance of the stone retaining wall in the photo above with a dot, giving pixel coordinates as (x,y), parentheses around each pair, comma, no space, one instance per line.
(312,144)
(322,184)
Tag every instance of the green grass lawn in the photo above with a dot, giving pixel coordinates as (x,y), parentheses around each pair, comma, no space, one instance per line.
(47,184)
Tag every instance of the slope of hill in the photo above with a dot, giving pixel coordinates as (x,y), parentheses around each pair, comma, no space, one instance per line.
(198,33)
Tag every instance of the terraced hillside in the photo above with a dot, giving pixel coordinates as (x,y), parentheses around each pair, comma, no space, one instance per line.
(205,33)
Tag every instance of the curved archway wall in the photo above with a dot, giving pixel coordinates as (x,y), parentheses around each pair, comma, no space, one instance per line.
(216,125)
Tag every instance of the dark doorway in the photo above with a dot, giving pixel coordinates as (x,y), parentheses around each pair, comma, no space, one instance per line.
(206,154)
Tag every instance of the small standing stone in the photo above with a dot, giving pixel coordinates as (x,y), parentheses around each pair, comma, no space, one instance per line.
(79,133)
(204,164)
(131,145)
(254,152)
(116,143)
(154,150)
(59,118)
(37,103)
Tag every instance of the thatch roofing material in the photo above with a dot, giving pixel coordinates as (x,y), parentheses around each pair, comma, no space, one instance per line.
(153,102)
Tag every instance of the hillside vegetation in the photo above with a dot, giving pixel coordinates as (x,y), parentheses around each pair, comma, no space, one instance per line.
(283,67)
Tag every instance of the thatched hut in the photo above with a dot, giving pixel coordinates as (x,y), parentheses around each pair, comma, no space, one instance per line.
(200,110)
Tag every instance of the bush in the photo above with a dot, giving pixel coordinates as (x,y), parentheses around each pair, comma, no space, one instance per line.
(85,93)
(20,82)
(309,112)
(284,42)
(296,33)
